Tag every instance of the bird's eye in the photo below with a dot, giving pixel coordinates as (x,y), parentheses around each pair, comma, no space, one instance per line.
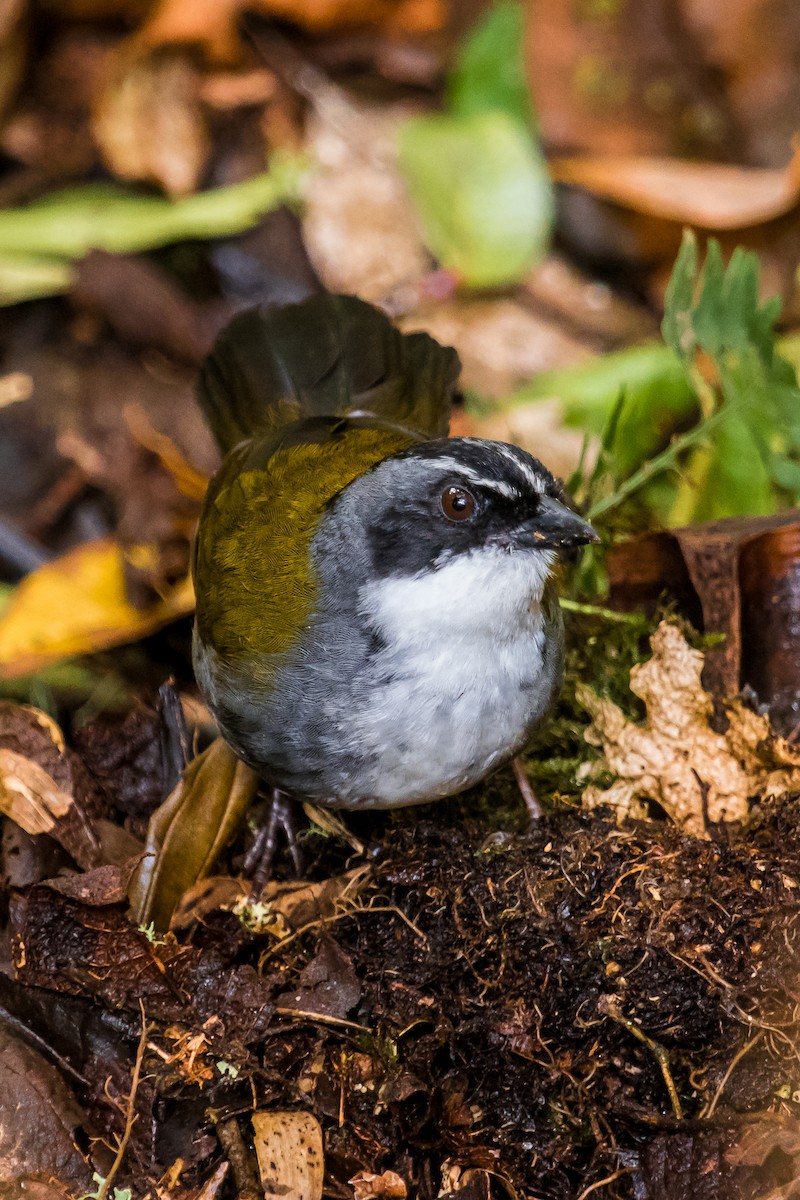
(458,504)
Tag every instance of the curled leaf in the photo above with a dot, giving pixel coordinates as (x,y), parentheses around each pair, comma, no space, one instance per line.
(28,795)
(189,831)
(716,196)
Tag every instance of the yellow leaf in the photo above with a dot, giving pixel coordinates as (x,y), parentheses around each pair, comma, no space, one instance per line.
(76,605)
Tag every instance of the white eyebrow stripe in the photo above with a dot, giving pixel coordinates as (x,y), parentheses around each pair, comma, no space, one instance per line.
(533,477)
(493,485)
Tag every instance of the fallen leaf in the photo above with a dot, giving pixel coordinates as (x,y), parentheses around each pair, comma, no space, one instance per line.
(28,795)
(675,755)
(64,946)
(290,1155)
(357,224)
(329,986)
(282,906)
(38,779)
(38,1119)
(15,387)
(715,196)
(189,831)
(149,123)
(389,1185)
(77,604)
(213,24)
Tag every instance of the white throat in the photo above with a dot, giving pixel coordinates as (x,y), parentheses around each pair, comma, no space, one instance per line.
(486,593)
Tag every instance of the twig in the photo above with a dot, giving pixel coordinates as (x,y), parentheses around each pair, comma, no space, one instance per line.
(526,791)
(602,1182)
(608,614)
(737,1058)
(130,1115)
(232,1142)
(610,1007)
(322,1019)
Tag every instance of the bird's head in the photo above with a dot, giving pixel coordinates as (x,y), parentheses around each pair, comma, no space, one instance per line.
(457,520)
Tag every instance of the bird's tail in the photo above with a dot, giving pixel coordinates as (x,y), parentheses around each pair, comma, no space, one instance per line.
(330,355)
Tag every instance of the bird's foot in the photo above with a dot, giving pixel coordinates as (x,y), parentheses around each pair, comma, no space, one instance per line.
(259,858)
(525,786)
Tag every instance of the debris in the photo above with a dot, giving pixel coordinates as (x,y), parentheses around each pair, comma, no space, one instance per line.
(290,1156)
(676,759)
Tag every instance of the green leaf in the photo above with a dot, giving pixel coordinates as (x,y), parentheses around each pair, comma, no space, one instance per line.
(676,328)
(65,225)
(489,73)
(30,277)
(482,192)
(725,338)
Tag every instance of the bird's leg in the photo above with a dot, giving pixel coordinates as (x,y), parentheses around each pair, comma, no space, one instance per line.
(526,791)
(259,858)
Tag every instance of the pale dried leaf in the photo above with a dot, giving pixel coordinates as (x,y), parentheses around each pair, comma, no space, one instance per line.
(712,195)
(14,388)
(149,124)
(28,795)
(675,755)
(290,1154)
(389,1185)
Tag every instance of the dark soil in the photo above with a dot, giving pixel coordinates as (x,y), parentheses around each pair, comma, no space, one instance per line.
(574,1004)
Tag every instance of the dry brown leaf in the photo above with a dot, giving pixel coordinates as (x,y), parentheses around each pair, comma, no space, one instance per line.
(188,832)
(28,795)
(715,196)
(77,604)
(213,24)
(189,481)
(389,1185)
(149,123)
(676,754)
(282,906)
(290,1156)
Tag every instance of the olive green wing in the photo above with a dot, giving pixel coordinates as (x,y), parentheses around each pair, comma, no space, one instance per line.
(330,355)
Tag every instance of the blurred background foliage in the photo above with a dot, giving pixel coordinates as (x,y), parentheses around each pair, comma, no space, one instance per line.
(517,178)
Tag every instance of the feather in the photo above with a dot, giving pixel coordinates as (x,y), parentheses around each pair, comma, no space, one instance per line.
(330,355)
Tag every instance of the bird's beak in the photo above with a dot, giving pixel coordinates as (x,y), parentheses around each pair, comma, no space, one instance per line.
(555,527)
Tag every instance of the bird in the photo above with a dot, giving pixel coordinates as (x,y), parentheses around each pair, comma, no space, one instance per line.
(377,614)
